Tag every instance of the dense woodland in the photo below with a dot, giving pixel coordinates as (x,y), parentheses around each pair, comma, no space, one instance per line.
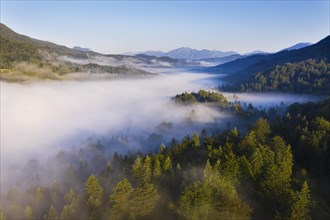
(279,169)
(241,69)
(304,77)
(214,99)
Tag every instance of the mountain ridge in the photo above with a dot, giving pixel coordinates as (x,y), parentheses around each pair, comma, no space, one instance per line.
(187,53)
(244,67)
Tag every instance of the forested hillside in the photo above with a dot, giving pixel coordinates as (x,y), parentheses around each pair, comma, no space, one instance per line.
(273,171)
(305,77)
(24,58)
(241,69)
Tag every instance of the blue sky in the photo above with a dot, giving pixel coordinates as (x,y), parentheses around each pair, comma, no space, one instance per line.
(122,26)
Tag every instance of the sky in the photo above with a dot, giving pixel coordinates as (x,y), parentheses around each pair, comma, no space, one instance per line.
(132,26)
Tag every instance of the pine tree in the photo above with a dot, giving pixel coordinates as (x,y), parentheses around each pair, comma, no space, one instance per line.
(207,170)
(28,213)
(168,165)
(52,214)
(144,200)
(196,141)
(137,169)
(39,196)
(162,148)
(146,175)
(94,194)
(70,209)
(120,200)
(157,169)
(217,166)
(301,204)
(262,130)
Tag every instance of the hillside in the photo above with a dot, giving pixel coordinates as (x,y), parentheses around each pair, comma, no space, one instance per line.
(16,47)
(241,69)
(24,58)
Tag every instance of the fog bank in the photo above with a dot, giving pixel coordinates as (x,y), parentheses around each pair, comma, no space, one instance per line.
(39,118)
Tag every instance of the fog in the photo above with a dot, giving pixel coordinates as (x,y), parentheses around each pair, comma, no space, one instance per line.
(39,119)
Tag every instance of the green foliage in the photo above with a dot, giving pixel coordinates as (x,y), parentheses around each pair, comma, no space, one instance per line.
(262,130)
(213,198)
(39,196)
(147,170)
(167,165)
(157,169)
(196,140)
(52,214)
(231,175)
(120,200)
(185,98)
(94,195)
(301,203)
(203,97)
(308,76)
(144,201)
(70,208)
(137,169)
(28,213)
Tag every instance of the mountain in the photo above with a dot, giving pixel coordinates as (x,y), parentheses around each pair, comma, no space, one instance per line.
(297,46)
(24,58)
(82,49)
(187,53)
(241,69)
(17,47)
(256,52)
(220,60)
(193,54)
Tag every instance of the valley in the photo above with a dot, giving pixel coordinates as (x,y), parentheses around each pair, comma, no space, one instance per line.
(167,133)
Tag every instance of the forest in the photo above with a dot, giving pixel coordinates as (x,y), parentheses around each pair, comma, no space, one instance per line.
(272,171)
(305,77)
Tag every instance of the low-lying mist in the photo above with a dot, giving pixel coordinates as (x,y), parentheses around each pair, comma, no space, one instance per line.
(39,119)
(42,118)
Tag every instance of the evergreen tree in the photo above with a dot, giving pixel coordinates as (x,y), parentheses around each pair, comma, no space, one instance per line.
(137,169)
(147,170)
(70,208)
(94,195)
(301,204)
(39,196)
(196,141)
(168,165)
(144,200)
(28,213)
(120,200)
(157,169)
(207,170)
(262,130)
(52,214)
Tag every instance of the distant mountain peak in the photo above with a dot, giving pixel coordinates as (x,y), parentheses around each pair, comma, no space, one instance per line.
(188,53)
(82,49)
(255,52)
(297,46)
